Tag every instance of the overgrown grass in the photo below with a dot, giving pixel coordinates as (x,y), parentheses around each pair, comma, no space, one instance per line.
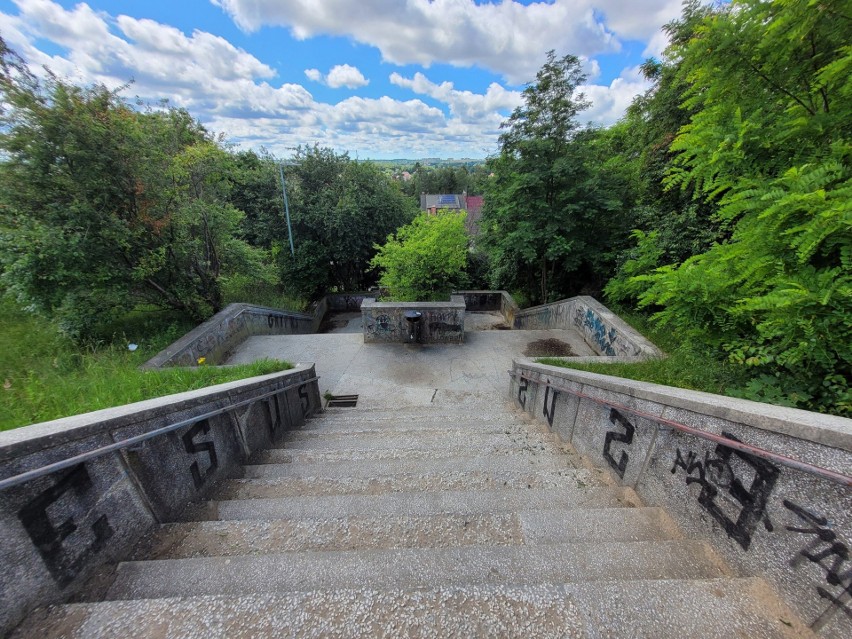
(46,376)
(686,366)
(250,291)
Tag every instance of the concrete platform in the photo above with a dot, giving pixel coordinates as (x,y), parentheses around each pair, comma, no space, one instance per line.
(387,375)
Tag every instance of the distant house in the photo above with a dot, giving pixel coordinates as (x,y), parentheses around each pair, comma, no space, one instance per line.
(470,203)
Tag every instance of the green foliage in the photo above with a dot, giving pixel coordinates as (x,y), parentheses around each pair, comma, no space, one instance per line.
(340,210)
(103,207)
(551,189)
(44,375)
(426,259)
(686,364)
(769,142)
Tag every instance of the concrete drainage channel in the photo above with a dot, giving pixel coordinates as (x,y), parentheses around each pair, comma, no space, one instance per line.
(342,401)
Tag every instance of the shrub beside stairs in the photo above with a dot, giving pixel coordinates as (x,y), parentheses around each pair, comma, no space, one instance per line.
(428,521)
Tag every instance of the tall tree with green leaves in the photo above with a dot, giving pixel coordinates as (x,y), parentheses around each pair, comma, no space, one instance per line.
(544,206)
(103,207)
(340,210)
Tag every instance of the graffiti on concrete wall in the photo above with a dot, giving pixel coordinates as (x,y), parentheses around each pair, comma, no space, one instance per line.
(550,395)
(825,550)
(589,321)
(194,447)
(617,436)
(70,495)
(722,487)
(523,386)
(304,399)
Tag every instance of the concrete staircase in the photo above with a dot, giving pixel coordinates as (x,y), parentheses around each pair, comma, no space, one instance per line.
(427,521)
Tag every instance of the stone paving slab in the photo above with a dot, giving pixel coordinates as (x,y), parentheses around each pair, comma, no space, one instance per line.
(425,441)
(388,375)
(248,537)
(426,503)
(710,608)
(426,464)
(405,482)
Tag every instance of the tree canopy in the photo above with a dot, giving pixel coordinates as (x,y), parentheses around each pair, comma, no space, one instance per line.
(424,260)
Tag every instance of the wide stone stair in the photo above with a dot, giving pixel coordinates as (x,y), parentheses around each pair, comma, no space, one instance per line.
(426,521)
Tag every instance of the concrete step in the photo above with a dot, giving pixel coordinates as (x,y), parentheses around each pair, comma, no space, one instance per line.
(423,441)
(452,449)
(407,482)
(666,609)
(422,503)
(468,420)
(351,428)
(424,464)
(416,568)
(236,537)
(358,433)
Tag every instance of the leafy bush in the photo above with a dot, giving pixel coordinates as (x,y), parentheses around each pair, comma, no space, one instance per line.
(426,259)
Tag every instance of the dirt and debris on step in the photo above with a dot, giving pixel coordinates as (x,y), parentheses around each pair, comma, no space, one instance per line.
(548,348)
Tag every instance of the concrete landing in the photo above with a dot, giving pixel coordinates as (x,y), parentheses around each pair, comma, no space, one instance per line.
(410,374)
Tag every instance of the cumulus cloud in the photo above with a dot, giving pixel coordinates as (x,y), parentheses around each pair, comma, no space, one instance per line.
(508,38)
(466,105)
(233,92)
(340,75)
(610,102)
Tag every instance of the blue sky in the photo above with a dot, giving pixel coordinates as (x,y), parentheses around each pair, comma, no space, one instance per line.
(376,78)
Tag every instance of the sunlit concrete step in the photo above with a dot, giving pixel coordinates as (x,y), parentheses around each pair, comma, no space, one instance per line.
(350,430)
(422,503)
(407,482)
(665,609)
(247,537)
(479,418)
(416,568)
(422,441)
(519,448)
(423,463)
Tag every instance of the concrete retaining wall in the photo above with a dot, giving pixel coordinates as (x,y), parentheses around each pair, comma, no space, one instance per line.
(57,529)
(491,301)
(602,329)
(770,520)
(441,322)
(216,337)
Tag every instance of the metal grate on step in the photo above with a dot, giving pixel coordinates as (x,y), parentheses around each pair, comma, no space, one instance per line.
(342,401)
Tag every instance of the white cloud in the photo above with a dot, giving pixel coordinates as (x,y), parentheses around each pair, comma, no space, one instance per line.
(507,37)
(344,75)
(610,102)
(340,75)
(233,92)
(466,105)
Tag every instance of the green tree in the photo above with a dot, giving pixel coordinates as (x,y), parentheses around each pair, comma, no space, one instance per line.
(426,259)
(768,86)
(550,209)
(340,210)
(103,207)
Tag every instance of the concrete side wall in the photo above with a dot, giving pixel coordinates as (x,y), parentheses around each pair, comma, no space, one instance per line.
(785,525)
(602,329)
(491,301)
(441,322)
(57,529)
(217,336)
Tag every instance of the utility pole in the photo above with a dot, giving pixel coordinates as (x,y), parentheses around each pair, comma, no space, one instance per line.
(286,210)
